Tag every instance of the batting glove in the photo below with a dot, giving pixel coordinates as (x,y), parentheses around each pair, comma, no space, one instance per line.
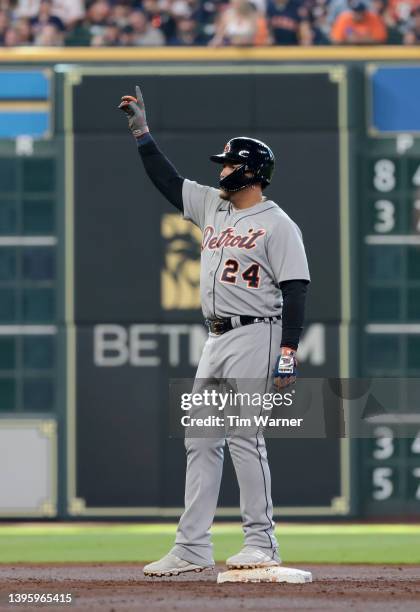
(285,370)
(136,113)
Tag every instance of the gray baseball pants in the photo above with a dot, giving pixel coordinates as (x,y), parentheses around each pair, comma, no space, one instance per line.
(245,353)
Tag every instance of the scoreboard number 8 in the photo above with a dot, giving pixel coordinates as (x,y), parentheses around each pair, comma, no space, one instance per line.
(384,179)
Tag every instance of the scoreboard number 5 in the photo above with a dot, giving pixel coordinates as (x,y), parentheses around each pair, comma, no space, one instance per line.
(382,481)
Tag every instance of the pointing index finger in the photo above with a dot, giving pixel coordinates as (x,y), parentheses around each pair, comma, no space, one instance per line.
(139,96)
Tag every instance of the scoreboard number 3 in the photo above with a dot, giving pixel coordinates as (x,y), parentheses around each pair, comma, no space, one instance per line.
(384,441)
(385,215)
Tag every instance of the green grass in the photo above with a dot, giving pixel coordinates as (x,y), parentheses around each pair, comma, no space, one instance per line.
(31,542)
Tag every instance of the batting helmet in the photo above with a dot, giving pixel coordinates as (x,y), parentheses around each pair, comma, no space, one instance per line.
(253,155)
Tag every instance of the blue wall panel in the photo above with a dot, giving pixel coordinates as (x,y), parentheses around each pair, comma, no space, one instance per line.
(30,124)
(395,99)
(24,85)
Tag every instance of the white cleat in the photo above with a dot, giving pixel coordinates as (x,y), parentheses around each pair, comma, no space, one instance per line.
(251,557)
(170,565)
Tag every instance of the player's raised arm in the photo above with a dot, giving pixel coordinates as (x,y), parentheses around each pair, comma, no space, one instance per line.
(159,169)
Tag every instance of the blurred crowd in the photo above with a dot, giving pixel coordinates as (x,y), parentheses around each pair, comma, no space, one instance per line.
(216,23)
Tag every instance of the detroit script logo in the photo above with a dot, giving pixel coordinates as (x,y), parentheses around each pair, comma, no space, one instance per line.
(230,238)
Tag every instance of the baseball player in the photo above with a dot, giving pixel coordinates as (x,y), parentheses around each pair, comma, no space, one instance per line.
(254,277)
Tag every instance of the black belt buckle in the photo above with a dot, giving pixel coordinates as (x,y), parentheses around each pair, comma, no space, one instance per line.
(217,327)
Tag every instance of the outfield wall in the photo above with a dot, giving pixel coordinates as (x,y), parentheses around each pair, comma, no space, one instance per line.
(99,276)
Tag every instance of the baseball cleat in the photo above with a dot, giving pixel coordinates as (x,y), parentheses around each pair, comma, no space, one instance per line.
(170,565)
(251,557)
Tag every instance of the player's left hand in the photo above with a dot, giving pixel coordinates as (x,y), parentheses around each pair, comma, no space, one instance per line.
(285,370)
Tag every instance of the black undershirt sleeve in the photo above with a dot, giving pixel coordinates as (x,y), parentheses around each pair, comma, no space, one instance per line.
(294,295)
(160,171)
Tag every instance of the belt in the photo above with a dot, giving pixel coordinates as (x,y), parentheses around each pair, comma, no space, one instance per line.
(221,326)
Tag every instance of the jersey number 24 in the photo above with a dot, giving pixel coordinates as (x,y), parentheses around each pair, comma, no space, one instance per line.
(250,275)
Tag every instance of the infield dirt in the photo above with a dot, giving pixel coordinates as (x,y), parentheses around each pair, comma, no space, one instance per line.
(111,588)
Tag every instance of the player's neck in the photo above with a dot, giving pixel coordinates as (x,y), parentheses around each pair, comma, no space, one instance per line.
(247,197)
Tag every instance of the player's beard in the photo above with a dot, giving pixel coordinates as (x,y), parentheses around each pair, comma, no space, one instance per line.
(224,195)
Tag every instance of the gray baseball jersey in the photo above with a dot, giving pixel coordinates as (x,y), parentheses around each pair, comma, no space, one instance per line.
(245,254)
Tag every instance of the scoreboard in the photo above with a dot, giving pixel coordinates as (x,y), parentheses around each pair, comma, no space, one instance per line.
(389,283)
(391,472)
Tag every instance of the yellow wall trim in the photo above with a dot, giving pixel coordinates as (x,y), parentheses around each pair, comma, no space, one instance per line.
(24,107)
(193,54)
